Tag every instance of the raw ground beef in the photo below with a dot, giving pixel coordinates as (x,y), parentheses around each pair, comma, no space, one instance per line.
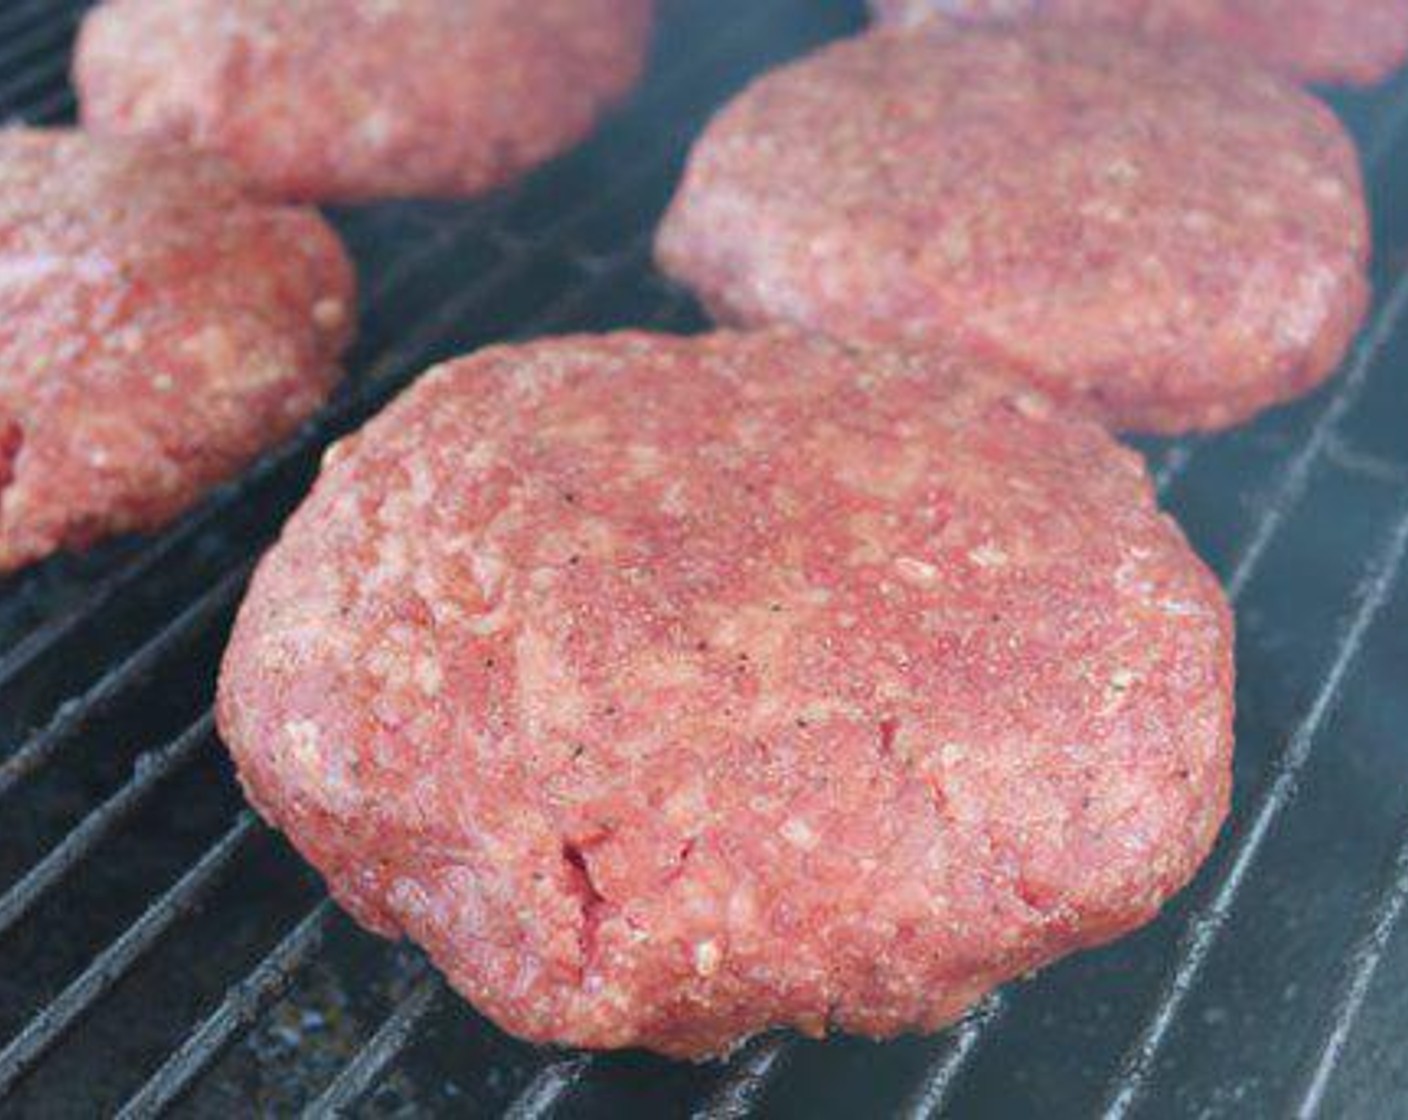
(666,690)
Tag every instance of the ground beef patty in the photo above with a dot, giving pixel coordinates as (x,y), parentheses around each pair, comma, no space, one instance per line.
(354,99)
(1166,238)
(667,690)
(159,325)
(1355,42)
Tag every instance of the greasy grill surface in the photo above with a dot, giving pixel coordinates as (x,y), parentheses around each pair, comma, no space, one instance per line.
(162,949)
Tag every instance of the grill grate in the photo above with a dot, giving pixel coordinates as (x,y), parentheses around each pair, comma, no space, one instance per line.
(1268,987)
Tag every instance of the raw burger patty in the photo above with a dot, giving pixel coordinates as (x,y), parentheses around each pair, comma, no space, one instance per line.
(1356,42)
(159,325)
(667,690)
(356,99)
(1167,239)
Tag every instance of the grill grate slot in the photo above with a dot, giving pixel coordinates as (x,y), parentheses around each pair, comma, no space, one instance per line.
(551,269)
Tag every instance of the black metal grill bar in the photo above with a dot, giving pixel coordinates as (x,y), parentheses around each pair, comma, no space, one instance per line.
(1379,146)
(73,717)
(932,1096)
(1379,922)
(362,1073)
(50,108)
(561,310)
(549,1087)
(150,771)
(747,1079)
(46,636)
(382,378)
(240,1008)
(48,72)
(33,13)
(1354,462)
(1211,918)
(1297,475)
(39,37)
(110,966)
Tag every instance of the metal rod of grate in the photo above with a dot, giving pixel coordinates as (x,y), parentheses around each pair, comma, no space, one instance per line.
(46,37)
(549,1087)
(24,16)
(114,686)
(1380,920)
(933,1093)
(240,1008)
(149,772)
(46,1028)
(363,1072)
(740,1091)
